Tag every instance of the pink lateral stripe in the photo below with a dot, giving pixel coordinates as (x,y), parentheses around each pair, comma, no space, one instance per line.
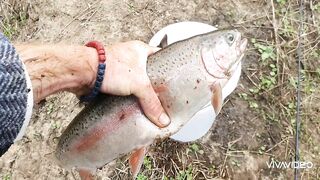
(105,127)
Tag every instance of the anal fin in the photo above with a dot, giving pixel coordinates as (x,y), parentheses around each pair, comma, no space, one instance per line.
(136,160)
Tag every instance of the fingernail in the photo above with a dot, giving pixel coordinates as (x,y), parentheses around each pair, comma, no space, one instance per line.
(164,119)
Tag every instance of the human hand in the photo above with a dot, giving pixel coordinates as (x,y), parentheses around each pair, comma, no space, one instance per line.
(55,68)
(126,74)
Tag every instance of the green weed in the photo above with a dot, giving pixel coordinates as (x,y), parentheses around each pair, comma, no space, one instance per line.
(316,7)
(262,149)
(185,175)
(141,177)
(195,148)
(147,163)
(55,125)
(282,2)
(253,105)
(11,26)
(244,96)
(266,51)
(50,108)
(8,28)
(6,177)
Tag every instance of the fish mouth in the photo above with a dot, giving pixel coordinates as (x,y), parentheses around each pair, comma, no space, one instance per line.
(240,48)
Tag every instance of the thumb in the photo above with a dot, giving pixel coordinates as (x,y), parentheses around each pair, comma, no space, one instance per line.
(152,107)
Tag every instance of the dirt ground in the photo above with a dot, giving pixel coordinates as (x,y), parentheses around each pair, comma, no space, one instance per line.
(256,124)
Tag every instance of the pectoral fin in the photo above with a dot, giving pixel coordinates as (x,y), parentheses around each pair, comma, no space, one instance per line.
(216,99)
(163,42)
(136,160)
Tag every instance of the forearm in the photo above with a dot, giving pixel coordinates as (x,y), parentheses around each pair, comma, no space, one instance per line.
(54,68)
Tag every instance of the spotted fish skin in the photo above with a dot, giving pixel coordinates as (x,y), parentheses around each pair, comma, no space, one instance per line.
(182,74)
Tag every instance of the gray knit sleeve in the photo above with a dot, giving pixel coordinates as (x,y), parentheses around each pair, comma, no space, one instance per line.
(15,92)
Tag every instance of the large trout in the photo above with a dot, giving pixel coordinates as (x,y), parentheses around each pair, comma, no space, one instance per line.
(187,75)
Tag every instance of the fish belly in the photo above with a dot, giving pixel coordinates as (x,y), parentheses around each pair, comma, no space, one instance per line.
(109,139)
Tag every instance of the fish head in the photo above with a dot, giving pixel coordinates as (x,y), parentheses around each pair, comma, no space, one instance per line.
(187,73)
(221,53)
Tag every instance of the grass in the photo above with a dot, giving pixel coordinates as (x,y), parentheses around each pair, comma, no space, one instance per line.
(14,16)
(147,162)
(8,30)
(141,177)
(280,87)
(273,85)
(185,174)
(6,177)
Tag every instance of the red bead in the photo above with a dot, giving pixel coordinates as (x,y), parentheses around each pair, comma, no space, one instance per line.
(102,57)
(100,50)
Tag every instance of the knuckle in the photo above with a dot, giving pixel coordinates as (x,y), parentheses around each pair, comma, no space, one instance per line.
(144,82)
(137,43)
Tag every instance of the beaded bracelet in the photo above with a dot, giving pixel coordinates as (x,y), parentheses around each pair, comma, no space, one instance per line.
(100,73)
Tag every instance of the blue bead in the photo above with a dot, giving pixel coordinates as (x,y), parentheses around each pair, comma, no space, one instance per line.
(96,88)
(98,83)
(99,78)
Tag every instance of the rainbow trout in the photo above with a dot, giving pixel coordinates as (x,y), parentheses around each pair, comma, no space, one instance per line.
(187,75)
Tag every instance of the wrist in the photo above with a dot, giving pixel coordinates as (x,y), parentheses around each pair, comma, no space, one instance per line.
(100,71)
(57,68)
(86,71)
(92,63)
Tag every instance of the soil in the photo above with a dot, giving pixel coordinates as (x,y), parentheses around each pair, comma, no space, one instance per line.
(241,140)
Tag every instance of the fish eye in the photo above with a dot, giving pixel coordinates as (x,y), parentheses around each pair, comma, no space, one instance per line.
(230,38)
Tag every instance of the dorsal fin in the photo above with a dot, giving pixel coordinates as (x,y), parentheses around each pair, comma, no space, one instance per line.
(163,42)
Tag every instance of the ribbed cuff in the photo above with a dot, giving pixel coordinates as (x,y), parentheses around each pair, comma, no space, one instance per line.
(16,99)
